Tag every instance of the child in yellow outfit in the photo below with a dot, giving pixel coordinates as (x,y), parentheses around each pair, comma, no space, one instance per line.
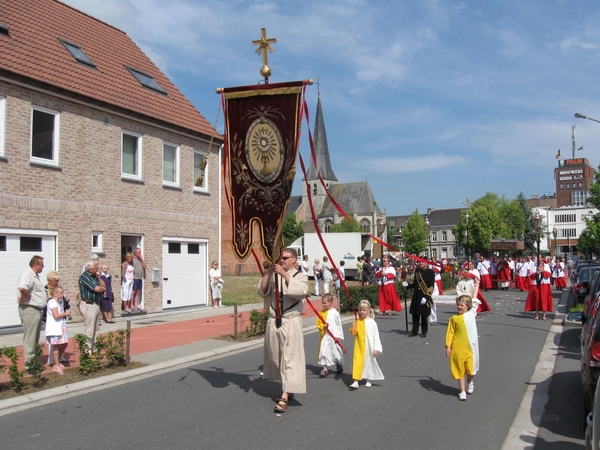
(462,344)
(367,346)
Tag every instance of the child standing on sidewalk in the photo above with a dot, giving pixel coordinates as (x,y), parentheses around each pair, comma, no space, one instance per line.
(56,328)
(462,344)
(329,352)
(367,346)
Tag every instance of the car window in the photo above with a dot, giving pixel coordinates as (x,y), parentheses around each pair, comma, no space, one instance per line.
(584,274)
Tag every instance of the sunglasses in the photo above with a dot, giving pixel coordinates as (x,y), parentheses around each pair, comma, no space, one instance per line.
(285,258)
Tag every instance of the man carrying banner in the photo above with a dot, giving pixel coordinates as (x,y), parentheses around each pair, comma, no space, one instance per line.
(284,358)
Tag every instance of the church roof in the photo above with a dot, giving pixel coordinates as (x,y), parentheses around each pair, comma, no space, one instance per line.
(353,198)
(321,149)
(52,46)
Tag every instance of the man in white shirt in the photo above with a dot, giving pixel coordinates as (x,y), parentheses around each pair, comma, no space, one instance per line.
(31,297)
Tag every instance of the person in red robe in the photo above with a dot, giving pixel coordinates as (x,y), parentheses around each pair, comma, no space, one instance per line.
(503,274)
(484,306)
(539,297)
(388,297)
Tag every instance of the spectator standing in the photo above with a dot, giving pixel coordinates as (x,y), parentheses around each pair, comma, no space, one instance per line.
(318,275)
(56,329)
(108,298)
(127,282)
(216,284)
(327,277)
(53,280)
(342,275)
(367,272)
(139,273)
(32,300)
(558,274)
(304,268)
(91,289)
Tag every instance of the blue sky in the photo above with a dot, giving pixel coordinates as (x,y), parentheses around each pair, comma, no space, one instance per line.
(429,101)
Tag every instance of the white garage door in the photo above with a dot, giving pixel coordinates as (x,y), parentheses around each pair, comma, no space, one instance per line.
(185,273)
(16,250)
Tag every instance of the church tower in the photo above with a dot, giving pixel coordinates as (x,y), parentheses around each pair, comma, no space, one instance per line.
(324,163)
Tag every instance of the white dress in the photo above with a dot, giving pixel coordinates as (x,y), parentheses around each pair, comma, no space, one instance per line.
(329,352)
(215,286)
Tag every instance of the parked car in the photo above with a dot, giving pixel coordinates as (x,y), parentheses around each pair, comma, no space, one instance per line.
(592,432)
(591,295)
(574,272)
(590,354)
(582,282)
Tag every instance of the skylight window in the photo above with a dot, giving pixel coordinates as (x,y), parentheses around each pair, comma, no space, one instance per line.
(3,29)
(77,53)
(146,80)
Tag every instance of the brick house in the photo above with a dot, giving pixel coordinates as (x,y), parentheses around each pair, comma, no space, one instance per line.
(100,152)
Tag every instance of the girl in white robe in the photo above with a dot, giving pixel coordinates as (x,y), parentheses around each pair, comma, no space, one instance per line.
(367,346)
(329,352)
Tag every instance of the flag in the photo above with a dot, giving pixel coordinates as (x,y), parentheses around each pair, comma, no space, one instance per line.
(262,135)
(558,154)
(580,148)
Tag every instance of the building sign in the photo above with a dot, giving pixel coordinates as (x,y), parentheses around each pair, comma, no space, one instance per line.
(507,244)
(575,162)
(569,175)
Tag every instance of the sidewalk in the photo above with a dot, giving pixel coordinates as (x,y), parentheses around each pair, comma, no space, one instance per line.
(166,336)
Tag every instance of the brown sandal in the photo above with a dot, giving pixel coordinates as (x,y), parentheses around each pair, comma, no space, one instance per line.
(281,405)
(544,317)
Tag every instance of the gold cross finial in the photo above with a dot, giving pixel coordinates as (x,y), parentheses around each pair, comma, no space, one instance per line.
(265,49)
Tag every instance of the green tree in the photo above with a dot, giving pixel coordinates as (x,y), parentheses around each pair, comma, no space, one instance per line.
(346,226)
(292,230)
(491,217)
(415,234)
(589,241)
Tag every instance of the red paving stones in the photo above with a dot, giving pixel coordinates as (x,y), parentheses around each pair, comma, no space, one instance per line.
(159,336)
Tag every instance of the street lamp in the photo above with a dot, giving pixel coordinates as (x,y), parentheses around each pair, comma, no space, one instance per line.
(581,116)
(467,203)
(381,230)
(537,225)
(428,225)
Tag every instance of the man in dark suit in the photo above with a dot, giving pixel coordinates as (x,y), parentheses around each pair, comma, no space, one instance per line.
(421,303)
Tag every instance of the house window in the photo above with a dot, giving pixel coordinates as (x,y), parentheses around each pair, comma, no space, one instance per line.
(2,123)
(193,249)
(562,186)
(2,243)
(568,185)
(44,135)
(444,236)
(131,157)
(315,189)
(30,244)
(77,53)
(200,175)
(97,242)
(434,253)
(170,164)
(147,80)
(328,226)
(434,236)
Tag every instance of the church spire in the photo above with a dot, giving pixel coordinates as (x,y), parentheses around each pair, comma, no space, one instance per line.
(321,149)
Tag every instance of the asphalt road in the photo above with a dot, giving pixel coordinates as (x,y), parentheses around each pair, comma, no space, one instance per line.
(225,404)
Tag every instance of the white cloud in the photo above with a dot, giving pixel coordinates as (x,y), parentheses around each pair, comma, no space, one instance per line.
(430,163)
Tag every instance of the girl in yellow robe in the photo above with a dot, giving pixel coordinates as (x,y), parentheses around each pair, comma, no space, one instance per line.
(367,346)
(462,344)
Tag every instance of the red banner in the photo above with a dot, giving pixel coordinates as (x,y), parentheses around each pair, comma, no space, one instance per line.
(262,127)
